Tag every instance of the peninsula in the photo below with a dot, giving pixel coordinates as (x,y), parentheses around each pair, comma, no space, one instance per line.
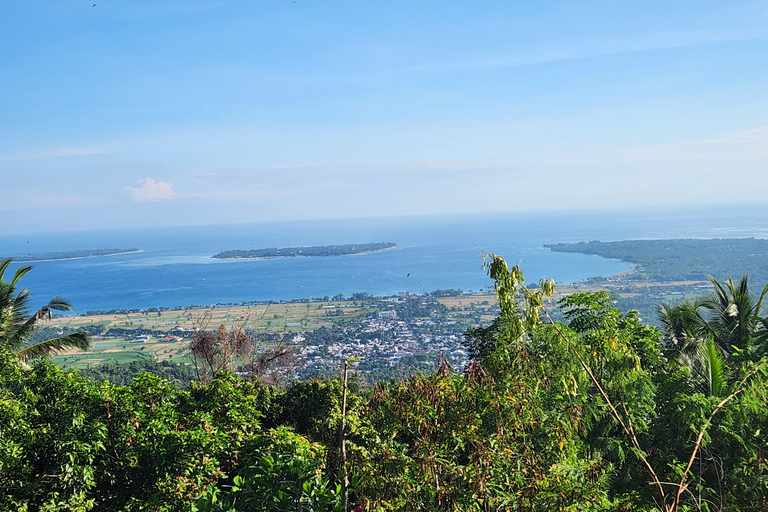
(684,258)
(295,252)
(72,255)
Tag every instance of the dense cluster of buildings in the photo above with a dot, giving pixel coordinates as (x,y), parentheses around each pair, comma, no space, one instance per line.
(385,340)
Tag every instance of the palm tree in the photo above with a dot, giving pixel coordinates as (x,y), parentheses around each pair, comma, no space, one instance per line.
(16,324)
(707,369)
(735,317)
(684,326)
(729,316)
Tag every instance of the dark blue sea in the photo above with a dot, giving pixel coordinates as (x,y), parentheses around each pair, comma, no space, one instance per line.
(175,268)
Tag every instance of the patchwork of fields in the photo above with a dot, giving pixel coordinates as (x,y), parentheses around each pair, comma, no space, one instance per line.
(124,334)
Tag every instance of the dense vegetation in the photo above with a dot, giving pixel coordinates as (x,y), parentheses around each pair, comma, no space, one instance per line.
(592,413)
(68,255)
(318,250)
(684,259)
(178,375)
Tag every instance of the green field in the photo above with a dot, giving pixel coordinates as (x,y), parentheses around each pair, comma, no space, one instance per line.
(265,319)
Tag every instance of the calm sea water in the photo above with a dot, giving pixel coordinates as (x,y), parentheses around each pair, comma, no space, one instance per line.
(175,268)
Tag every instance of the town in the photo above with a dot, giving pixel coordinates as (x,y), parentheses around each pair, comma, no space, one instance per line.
(388,337)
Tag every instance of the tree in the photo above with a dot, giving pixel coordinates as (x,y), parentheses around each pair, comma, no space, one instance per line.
(16,323)
(729,316)
(624,372)
(214,351)
(735,315)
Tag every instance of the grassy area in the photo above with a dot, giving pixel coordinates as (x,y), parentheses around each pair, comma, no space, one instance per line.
(120,350)
(272,318)
(467,301)
(265,318)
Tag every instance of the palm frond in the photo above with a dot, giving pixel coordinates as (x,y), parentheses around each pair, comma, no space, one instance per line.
(760,339)
(734,313)
(707,372)
(20,272)
(718,299)
(81,340)
(713,369)
(17,325)
(684,326)
(759,306)
(59,303)
(4,265)
(22,332)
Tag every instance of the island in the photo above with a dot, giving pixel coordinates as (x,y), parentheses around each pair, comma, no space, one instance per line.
(313,251)
(72,255)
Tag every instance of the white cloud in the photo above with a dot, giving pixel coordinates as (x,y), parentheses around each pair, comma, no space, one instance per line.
(151,190)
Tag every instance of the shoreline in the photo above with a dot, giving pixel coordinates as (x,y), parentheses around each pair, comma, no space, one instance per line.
(267,302)
(78,257)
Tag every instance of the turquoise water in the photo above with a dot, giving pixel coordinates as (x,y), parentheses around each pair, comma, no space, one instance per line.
(175,268)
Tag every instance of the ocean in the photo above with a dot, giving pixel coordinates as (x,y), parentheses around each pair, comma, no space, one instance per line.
(174,267)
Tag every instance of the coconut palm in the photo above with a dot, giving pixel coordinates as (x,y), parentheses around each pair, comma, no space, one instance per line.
(707,369)
(735,316)
(729,316)
(17,324)
(684,326)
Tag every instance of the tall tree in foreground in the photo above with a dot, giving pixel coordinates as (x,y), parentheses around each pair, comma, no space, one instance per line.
(628,388)
(17,324)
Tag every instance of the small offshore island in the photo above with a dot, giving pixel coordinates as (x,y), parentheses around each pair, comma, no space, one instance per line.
(72,255)
(296,252)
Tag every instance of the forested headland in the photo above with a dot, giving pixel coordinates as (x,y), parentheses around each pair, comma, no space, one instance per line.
(596,412)
(293,252)
(683,259)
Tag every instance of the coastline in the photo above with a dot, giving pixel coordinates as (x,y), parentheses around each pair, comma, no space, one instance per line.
(78,257)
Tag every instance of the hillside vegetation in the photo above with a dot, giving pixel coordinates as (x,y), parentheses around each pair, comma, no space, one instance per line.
(597,412)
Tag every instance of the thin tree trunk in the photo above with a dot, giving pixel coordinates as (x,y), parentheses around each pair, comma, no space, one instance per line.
(342,441)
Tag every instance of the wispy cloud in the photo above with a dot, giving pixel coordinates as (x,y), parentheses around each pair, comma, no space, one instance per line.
(20,201)
(151,190)
(562,53)
(742,145)
(55,152)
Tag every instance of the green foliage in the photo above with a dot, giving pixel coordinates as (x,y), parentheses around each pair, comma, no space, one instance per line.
(17,324)
(71,443)
(475,442)
(284,474)
(592,414)
(179,375)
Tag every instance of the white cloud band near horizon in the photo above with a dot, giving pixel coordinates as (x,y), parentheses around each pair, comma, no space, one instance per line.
(151,190)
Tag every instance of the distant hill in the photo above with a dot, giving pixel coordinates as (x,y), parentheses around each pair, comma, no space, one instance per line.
(71,255)
(684,259)
(294,252)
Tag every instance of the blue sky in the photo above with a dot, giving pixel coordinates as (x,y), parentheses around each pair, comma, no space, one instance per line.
(136,113)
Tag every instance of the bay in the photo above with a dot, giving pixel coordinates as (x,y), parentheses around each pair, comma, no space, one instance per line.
(433,252)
